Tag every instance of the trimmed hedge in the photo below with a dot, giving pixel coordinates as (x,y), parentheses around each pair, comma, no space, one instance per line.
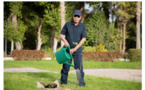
(28,54)
(102,56)
(134,54)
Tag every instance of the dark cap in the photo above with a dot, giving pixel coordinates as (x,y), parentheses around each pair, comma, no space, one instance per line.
(77,12)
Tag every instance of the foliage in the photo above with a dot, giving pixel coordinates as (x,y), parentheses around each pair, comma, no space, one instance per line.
(71,6)
(49,53)
(16,7)
(102,56)
(12,34)
(100,47)
(96,28)
(135,55)
(27,54)
(21,32)
(89,48)
(114,38)
(52,16)
(127,10)
(131,31)
(69,11)
(9,31)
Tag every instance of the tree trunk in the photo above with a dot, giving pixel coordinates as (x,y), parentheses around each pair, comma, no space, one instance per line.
(124,38)
(9,20)
(52,39)
(121,40)
(39,43)
(12,46)
(14,21)
(55,44)
(83,12)
(5,45)
(138,25)
(18,45)
(62,14)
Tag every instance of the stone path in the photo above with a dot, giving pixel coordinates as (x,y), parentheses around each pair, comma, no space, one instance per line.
(120,74)
(25,69)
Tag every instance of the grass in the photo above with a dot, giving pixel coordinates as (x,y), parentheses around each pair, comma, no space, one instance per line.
(28,81)
(54,66)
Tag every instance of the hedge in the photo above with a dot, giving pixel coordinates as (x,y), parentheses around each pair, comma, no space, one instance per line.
(102,56)
(28,54)
(134,54)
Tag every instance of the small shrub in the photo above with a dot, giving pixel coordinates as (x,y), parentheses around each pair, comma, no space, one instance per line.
(28,54)
(102,56)
(101,48)
(134,55)
(49,49)
(89,48)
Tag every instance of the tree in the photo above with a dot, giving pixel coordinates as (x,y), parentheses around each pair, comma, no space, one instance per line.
(126,12)
(138,25)
(14,26)
(114,38)
(34,19)
(15,7)
(62,14)
(52,15)
(96,28)
(42,20)
(37,21)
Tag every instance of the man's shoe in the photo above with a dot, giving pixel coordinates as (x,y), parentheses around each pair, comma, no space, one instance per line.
(82,85)
(63,83)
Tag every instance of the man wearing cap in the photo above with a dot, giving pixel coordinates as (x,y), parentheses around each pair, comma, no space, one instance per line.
(74,35)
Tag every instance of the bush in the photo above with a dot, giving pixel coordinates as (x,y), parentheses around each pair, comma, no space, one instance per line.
(134,54)
(89,48)
(100,47)
(102,56)
(28,54)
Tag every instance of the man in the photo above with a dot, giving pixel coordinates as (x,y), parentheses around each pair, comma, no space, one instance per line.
(74,35)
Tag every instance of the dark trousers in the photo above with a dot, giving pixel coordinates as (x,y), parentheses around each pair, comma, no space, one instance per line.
(78,65)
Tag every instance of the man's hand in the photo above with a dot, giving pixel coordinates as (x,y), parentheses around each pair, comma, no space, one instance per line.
(72,50)
(64,40)
(66,44)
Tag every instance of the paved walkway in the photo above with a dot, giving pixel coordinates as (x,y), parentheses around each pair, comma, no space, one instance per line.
(121,74)
(25,69)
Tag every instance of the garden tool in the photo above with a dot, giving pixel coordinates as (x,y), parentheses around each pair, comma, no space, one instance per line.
(63,56)
(78,73)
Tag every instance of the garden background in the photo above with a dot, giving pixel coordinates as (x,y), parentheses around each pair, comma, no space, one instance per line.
(31,33)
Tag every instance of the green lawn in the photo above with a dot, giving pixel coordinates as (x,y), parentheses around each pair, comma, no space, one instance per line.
(54,66)
(28,81)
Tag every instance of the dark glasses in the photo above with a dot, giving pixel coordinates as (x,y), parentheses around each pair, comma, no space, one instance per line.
(77,16)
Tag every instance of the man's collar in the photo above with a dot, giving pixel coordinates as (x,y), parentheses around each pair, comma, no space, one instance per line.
(72,22)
